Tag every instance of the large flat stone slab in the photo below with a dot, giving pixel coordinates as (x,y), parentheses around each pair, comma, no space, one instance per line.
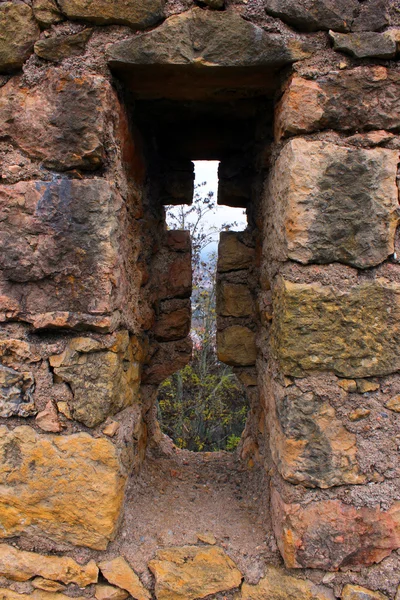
(68,488)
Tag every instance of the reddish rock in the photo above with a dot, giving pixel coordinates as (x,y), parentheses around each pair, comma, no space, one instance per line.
(178,240)
(167,358)
(48,420)
(329,534)
(174,322)
(62,121)
(348,100)
(62,253)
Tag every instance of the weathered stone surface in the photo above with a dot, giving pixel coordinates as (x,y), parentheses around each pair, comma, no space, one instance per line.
(364,44)
(354,99)
(364,386)
(348,385)
(46,12)
(138,14)
(69,488)
(109,592)
(358,414)
(173,323)
(394,404)
(171,273)
(206,39)
(118,572)
(308,335)
(21,566)
(193,572)
(343,534)
(356,592)
(233,254)
(16,393)
(167,358)
(19,31)
(277,585)
(234,300)
(333,204)
(61,261)
(111,428)
(313,15)
(236,346)
(308,443)
(62,121)
(48,420)
(62,46)
(47,585)
(6,594)
(103,380)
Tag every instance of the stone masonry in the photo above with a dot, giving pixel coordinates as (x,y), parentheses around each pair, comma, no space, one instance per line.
(103,106)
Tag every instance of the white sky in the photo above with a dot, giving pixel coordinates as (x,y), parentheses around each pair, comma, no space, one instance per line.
(208,171)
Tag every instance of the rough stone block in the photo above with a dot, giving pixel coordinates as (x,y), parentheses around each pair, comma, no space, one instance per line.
(344,535)
(118,572)
(278,585)
(309,444)
(166,358)
(356,592)
(193,572)
(236,346)
(62,121)
(366,44)
(104,380)
(339,15)
(68,488)
(234,300)
(57,48)
(353,332)
(19,31)
(62,259)
(233,254)
(138,14)
(46,12)
(20,566)
(174,320)
(333,204)
(348,100)
(16,393)
(171,270)
(313,15)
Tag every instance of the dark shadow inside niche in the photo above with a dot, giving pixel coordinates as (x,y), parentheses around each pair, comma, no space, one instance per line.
(176,128)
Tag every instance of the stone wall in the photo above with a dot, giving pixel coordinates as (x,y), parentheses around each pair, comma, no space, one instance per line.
(102,108)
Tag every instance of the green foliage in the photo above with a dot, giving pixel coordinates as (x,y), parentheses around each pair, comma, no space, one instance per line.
(203,413)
